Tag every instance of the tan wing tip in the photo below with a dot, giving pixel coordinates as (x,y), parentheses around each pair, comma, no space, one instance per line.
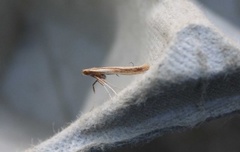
(146,66)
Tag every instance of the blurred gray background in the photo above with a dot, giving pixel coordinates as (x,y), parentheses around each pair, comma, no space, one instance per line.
(43,48)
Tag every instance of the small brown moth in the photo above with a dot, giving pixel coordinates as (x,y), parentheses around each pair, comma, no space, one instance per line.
(99,73)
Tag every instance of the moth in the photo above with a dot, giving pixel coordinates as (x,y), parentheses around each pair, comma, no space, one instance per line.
(99,73)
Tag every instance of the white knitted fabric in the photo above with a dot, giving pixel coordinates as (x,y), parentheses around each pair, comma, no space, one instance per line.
(193,77)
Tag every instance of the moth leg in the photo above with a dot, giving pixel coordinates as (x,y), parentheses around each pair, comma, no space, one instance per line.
(99,80)
(93,85)
(104,83)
